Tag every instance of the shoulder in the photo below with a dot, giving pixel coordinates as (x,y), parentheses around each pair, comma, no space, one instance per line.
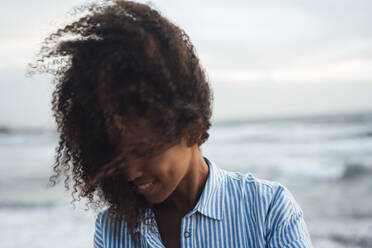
(102,221)
(99,230)
(110,229)
(102,217)
(106,221)
(248,183)
(271,198)
(108,225)
(268,206)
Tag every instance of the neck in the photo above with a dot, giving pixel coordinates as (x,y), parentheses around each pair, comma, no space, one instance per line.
(188,192)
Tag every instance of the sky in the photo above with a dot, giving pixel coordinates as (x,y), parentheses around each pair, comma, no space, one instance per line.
(262,58)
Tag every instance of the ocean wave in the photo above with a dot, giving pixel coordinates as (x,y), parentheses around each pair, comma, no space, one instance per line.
(349,118)
(356,170)
(365,241)
(24,130)
(26,205)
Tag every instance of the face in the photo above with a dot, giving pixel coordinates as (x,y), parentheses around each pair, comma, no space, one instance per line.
(158,177)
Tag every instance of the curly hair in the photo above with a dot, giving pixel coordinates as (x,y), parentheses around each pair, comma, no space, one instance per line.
(120,67)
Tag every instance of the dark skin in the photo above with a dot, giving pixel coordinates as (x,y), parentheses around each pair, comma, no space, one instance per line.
(173,182)
(169,227)
(169,213)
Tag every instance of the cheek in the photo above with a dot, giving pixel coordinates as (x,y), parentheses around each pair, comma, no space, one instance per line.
(171,168)
(176,173)
(169,174)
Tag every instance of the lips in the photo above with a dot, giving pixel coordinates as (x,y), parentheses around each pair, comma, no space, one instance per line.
(144,185)
(144,188)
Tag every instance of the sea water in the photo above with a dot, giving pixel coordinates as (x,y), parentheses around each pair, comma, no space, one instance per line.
(325,161)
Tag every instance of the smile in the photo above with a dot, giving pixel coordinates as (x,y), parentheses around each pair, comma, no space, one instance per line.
(145,187)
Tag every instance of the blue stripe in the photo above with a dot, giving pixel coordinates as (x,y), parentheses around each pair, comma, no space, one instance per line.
(234,210)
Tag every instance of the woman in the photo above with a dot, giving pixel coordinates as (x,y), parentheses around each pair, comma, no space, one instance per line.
(133,106)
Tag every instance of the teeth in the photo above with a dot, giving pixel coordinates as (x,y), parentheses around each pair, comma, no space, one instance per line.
(144,186)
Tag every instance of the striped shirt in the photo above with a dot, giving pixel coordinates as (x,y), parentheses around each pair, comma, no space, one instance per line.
(234,210)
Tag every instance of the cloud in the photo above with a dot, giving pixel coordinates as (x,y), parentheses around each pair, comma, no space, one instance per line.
(245,40)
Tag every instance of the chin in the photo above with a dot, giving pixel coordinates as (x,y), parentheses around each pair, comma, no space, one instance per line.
(156,199)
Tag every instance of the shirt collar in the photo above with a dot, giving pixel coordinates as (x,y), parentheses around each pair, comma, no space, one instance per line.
(211,201)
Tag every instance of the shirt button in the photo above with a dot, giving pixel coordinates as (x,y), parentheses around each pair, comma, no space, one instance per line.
(186,234)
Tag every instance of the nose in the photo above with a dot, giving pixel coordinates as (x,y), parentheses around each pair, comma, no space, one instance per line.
(133,172)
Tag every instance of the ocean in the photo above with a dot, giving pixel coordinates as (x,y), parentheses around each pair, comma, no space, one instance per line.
(325,161)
